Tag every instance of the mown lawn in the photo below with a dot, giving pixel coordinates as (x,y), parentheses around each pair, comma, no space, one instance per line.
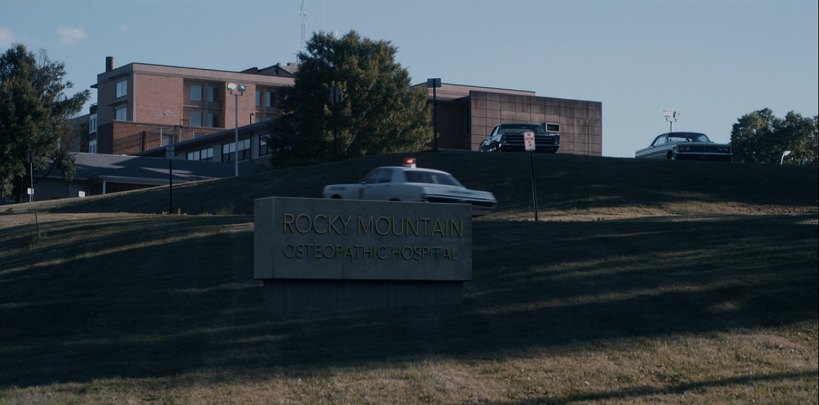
(644,282)
(117,308)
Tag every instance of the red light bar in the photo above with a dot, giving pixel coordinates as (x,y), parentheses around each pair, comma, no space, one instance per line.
(409,162)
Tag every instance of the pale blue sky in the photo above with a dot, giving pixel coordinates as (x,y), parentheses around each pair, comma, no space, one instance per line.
(711,60)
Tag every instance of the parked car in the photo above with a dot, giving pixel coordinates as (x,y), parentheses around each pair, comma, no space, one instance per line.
(410,183)
(509,137)
(685,145)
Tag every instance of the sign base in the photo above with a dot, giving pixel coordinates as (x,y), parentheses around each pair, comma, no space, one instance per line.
(352,295)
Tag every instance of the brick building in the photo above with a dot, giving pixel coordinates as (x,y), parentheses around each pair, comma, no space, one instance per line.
(144,106)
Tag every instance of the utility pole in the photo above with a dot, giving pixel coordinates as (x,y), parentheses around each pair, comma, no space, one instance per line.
(335,100)
(31,176)
(434,83)
(303,17)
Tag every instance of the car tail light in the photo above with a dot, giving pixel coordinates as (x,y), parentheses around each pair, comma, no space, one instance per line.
(409,162)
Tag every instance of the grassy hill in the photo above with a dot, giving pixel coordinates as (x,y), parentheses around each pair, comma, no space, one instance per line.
(644,282)
(566,183)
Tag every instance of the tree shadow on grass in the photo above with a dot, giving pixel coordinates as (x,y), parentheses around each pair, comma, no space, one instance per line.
(186,302)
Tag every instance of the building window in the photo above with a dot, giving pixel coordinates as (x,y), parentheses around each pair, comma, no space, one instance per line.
(92,146)
(196,92)
(258,98)
(207,154)
(264,148)
(229,149)
(201,154)
(270,100)
(92,124)
(167,139)
(227,152)
(213,94)
(122,88)
(195,119)
(121,113)
(213,120)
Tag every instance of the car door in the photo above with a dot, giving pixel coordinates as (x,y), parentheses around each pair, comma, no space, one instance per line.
(379,185)
(658,148)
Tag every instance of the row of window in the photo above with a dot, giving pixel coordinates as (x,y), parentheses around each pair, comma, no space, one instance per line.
(197,90)
(229,151)
(195,119)
(201,154)
(266,98)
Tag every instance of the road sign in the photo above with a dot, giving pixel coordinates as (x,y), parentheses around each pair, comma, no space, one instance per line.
(529,141)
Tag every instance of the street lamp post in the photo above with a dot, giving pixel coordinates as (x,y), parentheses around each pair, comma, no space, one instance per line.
(236,90)
(782,159)
(671,117)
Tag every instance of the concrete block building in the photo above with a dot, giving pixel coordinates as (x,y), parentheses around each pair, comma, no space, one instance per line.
(467,114)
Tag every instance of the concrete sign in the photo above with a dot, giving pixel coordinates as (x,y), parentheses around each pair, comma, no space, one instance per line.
(354,243)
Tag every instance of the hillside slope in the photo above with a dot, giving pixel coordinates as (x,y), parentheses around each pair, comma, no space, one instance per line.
(662,282)
(564,183)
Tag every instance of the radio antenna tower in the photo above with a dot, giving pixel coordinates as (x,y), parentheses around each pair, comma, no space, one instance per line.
(303,15)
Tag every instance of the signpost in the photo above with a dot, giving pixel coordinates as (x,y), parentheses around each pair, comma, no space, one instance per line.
(529,146)
(170,153)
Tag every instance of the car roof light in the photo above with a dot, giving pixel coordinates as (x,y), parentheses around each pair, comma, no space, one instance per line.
(409,162)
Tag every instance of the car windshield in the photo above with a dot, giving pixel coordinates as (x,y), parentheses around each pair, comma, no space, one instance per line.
(514,129)
(420,176)
(676,138)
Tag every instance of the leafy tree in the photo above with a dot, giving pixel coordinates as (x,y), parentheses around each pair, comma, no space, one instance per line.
(34,115)
(761,137)
(350,99)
